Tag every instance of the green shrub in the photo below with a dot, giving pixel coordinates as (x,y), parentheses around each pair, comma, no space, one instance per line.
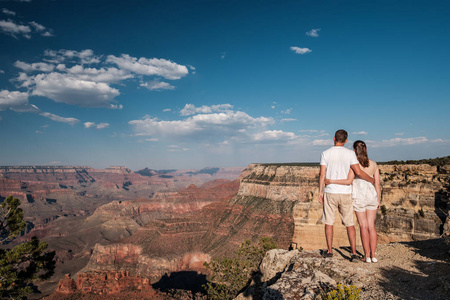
(422,213)
(229,276)
(383,210)
(343,292)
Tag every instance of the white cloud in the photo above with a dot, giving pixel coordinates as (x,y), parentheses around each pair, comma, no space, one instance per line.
(73,91)
(13,100)
(288,120)
(42,67)
(2,72)
(176,148)
(37,26)
(107,75)
(8,12)
(399,134)
(287,111)
(156,85)
(18,101)
(223,55)
(204,126)
(359,133)
(98,126)
(47,34)
(313,32)
(85,56)
(274,135)
(64,76)
(15,30)
(313,131)
(71,121)
(167,110)
(403,141)
(300,50)
(150,67)
(327,142)
(190,109)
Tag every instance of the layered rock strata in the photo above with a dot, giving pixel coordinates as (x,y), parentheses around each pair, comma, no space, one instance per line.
(178,231)
(103,283)
(415,200)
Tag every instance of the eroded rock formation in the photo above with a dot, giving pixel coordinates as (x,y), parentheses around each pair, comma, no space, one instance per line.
(414,198)
(173,232)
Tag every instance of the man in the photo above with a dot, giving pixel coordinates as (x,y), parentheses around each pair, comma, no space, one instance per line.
(335,163)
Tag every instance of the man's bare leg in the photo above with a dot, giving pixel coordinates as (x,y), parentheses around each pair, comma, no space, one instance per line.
(329,237)
(351,233)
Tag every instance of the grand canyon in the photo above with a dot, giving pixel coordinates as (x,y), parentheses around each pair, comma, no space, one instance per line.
(115,230)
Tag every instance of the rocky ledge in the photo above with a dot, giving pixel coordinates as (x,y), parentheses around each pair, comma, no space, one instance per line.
(413,270)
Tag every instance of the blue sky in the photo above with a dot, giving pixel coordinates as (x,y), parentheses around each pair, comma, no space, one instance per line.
(193,84)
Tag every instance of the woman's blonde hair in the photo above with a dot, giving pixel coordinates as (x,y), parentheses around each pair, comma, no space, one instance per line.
(361,153)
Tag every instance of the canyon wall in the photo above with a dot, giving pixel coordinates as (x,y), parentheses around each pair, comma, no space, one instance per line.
(278,201)
(174,232)
(75,208)
(415,202)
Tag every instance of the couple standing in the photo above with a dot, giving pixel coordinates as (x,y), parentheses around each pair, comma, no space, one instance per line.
(339,168)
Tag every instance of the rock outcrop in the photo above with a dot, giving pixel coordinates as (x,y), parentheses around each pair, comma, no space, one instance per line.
(104,283)
(414,270)
(415,200)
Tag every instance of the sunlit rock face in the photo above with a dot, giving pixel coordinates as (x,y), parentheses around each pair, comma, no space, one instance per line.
(415,200)
(104,282)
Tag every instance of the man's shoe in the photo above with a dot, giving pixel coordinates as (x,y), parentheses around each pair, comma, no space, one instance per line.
(354,257)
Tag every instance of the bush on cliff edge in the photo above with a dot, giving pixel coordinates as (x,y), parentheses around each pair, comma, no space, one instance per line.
(24,263)
(229,276)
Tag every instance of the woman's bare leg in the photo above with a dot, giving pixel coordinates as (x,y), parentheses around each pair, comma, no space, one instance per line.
(364,230)
(371,216)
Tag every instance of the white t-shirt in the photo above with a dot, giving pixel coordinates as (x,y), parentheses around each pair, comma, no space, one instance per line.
(338,160)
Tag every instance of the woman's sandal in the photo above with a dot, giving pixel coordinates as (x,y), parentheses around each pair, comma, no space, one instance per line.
(374,259)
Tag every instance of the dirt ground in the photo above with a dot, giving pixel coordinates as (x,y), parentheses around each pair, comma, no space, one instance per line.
(412,270)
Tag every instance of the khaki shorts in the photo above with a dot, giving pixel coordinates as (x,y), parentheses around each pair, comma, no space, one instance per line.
(341,202)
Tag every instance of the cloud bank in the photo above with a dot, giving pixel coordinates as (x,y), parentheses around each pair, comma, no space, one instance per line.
(84,79)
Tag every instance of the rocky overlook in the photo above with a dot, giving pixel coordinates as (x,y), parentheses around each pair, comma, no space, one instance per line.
(415,203)
(275,200)
(405,270)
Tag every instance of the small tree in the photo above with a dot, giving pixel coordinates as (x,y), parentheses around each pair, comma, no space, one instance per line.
(24,263)
(231,275)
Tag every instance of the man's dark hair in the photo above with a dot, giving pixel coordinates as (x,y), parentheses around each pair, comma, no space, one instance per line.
(340,136)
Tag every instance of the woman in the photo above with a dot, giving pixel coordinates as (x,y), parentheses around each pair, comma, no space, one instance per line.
(366,199)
